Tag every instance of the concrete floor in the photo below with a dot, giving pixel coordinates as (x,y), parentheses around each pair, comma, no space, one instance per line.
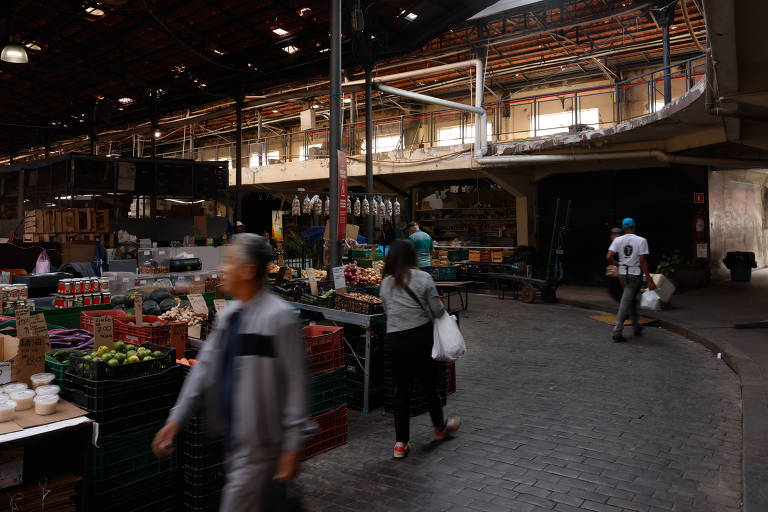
(556,417)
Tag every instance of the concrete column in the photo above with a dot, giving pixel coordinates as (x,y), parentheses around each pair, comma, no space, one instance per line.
(525,190)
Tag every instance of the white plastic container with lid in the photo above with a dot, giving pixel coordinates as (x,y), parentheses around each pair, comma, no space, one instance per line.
(7,410)
(13,387)
(24,399)
(4,397)
(50,389)
(41,379)
(46,404)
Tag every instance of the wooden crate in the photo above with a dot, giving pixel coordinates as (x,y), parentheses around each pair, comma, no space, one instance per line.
(101,221)
(84,220)
(67,221)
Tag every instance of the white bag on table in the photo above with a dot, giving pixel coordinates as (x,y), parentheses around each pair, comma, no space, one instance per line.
(448,344)
(650,300)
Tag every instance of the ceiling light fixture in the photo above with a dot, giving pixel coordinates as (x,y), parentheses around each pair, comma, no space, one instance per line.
(347,100)
(305,11)
(290,49)
(157,134)
(411,16)
(279,31)
(314,106)
(94,11)
(125,101)
(33,46)
(14,53)
(275,111)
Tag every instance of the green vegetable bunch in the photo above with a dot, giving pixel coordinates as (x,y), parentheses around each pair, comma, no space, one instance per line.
(669,263)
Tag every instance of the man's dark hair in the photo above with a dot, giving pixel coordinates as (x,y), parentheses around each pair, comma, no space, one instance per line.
(413,225)
(256,251)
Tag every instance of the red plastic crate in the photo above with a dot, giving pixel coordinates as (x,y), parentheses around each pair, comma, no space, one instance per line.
(450,378)
(324,346)
(129,332)
(86,317)
(332,432)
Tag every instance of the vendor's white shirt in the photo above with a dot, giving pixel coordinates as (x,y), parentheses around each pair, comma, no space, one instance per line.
(628,249)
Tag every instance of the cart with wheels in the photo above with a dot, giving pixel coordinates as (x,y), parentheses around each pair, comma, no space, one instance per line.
(527,288)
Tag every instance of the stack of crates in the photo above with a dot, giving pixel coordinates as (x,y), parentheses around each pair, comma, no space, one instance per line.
(325,353)
(202,467)
(130,404)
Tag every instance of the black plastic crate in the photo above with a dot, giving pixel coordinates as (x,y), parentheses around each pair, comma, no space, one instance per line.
(157,493)
(124,405)
(99,370)
(328,390)
(355,398)
(207,503)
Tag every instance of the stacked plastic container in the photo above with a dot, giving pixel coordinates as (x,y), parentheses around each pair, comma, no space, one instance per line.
(328,388)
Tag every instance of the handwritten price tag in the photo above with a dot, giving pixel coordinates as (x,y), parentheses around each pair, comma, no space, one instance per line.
(103,330)
(37,325)
(219,305)
(312,281)
(138,304)
(31,357)
(198,304)
(23,326)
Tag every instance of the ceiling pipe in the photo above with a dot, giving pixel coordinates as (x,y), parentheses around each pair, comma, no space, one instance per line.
(660,156)
(481,117)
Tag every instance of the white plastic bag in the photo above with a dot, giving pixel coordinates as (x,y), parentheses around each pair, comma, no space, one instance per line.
(43,264)
(650,300)
(448,344)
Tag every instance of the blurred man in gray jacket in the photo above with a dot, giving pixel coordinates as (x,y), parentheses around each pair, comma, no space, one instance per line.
(251,379)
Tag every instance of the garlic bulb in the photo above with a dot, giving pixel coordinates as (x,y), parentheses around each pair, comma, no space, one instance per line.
(366,207)
(374,207)
(389,208)
(396,208)
(327,208)
(357,207)
(349,206)
(307,206)
(317,205)
(296,206)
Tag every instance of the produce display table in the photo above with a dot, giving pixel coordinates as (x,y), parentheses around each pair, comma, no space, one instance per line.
(345,317)
(449,288)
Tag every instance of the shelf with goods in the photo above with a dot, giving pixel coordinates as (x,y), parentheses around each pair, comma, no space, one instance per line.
(477,226)
(51,225)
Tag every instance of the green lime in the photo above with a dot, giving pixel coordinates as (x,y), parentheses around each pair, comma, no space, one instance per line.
(113,362)
(106,358)
(148,358)
(132,359)
(120,357)
(89,357)
(130,353)
(157,354)
(119,346)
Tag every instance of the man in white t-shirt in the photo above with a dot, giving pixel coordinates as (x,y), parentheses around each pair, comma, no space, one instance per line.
(631,252)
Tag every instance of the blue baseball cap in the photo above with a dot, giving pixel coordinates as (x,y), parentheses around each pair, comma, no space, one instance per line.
(628,223)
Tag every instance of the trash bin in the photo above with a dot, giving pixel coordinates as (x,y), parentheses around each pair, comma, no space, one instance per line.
(740,264)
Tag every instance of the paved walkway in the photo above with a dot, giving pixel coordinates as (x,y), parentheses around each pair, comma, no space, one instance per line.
(556,417)
(708,316)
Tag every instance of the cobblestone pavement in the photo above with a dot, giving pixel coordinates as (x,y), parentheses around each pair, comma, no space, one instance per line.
(556,417)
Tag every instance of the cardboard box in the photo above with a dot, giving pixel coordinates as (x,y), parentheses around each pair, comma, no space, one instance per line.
(352,231)
(19,359)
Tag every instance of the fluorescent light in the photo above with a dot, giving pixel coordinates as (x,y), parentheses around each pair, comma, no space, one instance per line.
(279,31)
(347,100)
(324,50)
(33,46)
(217,51)
(275,111)
(125,101)
(314,106)
(290,49)
(14,53)
(93,11)
(411,16)
(179,201)
(157,134)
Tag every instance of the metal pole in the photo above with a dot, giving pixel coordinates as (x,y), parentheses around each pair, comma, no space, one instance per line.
(369,143)
(258,137)
(334,253)
(667,59)
(238,155)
